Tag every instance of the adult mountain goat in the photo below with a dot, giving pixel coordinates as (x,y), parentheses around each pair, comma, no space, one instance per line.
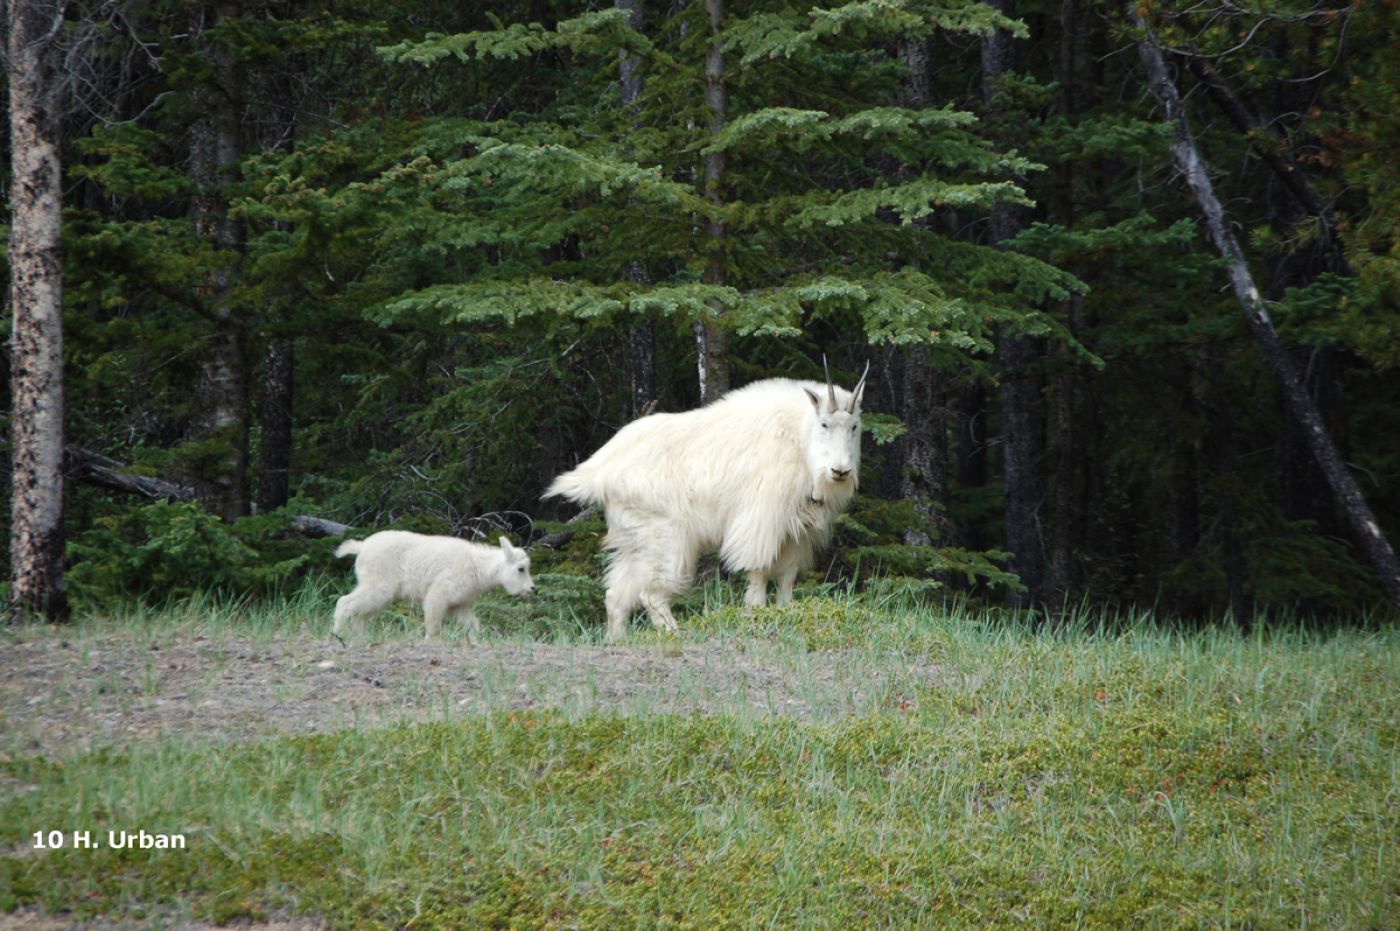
(446,574)
(758,475)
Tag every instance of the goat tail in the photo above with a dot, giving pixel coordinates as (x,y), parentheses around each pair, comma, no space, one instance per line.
(576,486)
(348,548)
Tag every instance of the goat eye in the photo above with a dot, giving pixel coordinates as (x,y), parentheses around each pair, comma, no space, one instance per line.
(824,424)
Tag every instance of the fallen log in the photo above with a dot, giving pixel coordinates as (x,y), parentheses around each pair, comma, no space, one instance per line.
(93,468)
(84,465)
(309,526)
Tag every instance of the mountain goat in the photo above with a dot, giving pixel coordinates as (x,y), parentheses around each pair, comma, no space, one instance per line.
(759,474)
(444,573)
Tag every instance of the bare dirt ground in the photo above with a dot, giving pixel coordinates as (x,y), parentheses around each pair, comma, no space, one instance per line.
(33,920)
(63,695)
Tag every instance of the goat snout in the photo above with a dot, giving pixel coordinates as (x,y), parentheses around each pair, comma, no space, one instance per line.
(839,475)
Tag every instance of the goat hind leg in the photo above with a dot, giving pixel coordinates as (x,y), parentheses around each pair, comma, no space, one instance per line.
(351,609)
(658,604)
(465,616)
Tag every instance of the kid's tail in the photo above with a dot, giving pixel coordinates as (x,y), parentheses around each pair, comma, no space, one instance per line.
(349,548)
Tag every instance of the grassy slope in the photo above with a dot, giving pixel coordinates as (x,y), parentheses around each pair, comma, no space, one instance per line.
(1075,778)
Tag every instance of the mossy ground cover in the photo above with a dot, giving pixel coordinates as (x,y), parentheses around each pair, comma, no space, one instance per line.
(1098,775)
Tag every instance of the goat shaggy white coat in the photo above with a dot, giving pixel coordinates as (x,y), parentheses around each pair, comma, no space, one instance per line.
(759,475)
(445,574)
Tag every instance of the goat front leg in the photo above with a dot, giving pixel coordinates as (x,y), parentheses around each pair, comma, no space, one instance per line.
(435,605)
(757,595)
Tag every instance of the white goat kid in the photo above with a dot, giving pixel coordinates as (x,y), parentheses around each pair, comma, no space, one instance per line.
(759,475)
(444,573)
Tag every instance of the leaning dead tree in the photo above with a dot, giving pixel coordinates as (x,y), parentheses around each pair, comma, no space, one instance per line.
(36,340)
(1189,162)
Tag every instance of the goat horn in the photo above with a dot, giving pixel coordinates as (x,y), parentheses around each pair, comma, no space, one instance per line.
(830,388)
(860,386)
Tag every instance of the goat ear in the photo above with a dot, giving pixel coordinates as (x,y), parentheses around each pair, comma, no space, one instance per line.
(812,396)
(859,391)
(507,548)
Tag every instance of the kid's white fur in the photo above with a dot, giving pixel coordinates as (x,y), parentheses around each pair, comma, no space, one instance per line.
(445,574)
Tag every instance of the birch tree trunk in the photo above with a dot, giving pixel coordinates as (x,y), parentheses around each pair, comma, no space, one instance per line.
(711,339)
(1189,162)
(36,299)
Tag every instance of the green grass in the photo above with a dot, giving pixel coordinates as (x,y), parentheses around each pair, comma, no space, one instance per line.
(1107,774)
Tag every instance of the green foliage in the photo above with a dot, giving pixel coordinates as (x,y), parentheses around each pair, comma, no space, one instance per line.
(869,541)
(163,551)
(465,233)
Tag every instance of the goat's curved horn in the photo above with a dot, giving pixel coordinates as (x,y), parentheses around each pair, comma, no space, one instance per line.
(859,389)
(830,388)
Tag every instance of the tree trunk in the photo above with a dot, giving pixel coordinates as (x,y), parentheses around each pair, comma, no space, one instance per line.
(711,339)
(923,449)
(275,451)
(970,405)
(1065,440)
(924,477)
(1065,486)
(214,150)
(1023,443)
(1189,163)
(1279,159)
(279,359)
(36,298)
(641,335)
(1022,423)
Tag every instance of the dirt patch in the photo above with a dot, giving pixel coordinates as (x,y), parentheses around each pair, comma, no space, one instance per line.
(61,695)
(28,919)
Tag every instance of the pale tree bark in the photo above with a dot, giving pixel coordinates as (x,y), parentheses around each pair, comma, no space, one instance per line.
(711,339)
(214,151)
(1277,156)
(36,300)
(1022,422)
(1305,491)
(1189,162)
(641,335)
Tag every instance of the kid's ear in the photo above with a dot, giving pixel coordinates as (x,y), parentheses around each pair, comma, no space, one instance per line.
(506,547)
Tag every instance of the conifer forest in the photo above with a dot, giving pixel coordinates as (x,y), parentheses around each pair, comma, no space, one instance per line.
(1126,275)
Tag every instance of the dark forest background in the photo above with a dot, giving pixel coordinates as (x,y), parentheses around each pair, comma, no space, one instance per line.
(401,263)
